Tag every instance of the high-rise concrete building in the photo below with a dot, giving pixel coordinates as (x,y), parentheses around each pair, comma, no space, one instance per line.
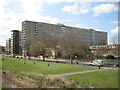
(8,45)
(15,42)
(31,33)
(20,44)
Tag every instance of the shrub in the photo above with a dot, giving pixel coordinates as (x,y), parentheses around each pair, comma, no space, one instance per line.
(109,57)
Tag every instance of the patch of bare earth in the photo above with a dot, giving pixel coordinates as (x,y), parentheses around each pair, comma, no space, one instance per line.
(11,79)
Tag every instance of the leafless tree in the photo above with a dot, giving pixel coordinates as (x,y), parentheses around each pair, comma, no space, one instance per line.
(67,44)
(114,39)
(71,45)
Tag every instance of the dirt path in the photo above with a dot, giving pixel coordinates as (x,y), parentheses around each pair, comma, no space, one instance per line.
(78,72)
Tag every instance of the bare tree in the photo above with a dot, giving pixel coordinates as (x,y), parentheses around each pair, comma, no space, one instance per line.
(114,39)
(50,40)
(67,44)
(71,45)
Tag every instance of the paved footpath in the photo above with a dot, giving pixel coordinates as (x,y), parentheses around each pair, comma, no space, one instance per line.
(78,72)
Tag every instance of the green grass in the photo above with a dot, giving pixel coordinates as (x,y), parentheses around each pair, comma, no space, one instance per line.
(41,67)
(0,62)
(0,72)
(100,79)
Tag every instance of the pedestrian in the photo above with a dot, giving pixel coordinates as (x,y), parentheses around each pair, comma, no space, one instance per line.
(34,62)
(24,62)
(48,65)
(2,59)
(77,62)
(99,66)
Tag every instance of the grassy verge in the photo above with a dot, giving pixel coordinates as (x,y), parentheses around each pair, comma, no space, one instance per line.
(0,73)
(41,67)
(0,62)
(100,79)
(32,80)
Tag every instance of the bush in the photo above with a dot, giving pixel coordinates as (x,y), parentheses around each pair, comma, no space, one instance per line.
(109,57)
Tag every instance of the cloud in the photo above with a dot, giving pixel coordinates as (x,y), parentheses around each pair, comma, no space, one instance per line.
(67,20)
(115,30)
(104,8)
(77,8)
(2,4)
(114,22)
(32,6)
(31,10)
(11,20)
(58,1)
(79,25)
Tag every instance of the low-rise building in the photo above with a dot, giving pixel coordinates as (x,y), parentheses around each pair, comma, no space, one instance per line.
(104,50)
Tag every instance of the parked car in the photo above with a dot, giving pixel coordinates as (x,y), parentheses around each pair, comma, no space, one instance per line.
(16,57)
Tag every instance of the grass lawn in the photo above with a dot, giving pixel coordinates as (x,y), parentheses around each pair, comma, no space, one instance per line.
(100,79)
(0,62)
(0,73)
(41,67)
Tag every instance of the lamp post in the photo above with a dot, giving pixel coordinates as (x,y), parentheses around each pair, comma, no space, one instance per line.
(39,48)
(57,47)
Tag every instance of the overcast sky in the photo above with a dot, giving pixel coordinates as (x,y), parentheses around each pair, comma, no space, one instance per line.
(99,15)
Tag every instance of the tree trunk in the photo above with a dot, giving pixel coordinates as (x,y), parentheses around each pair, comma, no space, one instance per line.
(43,58)
(71,60)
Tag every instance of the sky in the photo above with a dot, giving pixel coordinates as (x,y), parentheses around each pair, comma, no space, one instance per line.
(100,15)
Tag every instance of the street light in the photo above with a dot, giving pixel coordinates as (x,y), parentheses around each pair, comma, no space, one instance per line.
(39,51)
(57,47)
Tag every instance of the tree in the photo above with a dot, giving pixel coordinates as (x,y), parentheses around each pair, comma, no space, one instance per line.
(109,57)
(66,45)
(114,39)
(34,50)
(50,40)
(43,51)
(39,49)
(71,45)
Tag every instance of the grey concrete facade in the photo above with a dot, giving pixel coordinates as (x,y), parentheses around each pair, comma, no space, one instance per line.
(15,42)
(31,31)
(0,49)
(8,45)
